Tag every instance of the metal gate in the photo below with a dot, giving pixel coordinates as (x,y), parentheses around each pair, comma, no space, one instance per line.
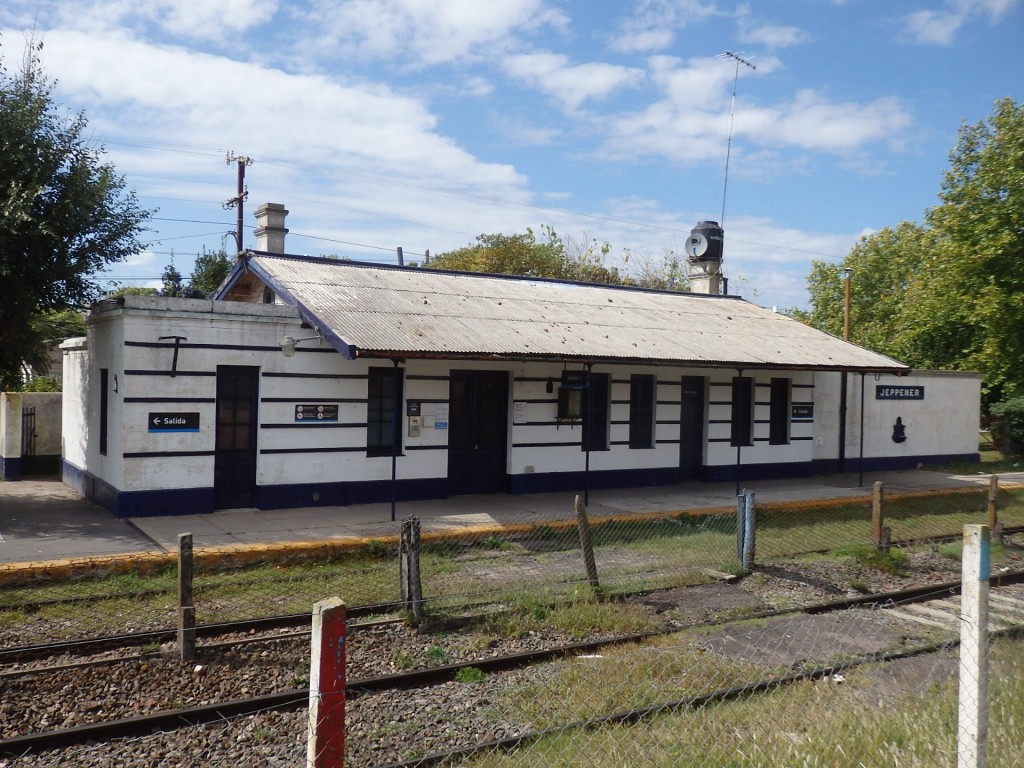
(28,441)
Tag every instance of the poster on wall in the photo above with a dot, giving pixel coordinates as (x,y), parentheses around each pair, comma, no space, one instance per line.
(519,412)
(441,416)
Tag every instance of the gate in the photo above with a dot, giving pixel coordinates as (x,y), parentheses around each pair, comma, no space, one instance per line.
(28,441)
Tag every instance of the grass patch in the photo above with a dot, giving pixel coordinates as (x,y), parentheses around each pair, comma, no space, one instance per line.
(808,724)
(470,675)
(577,615)
(892,562)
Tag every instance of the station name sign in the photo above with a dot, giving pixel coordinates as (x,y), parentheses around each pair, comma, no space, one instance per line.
(174,422)
(316,412)
(905,392)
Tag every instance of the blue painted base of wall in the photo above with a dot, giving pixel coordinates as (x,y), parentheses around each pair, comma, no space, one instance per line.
(176,501)
(192,501)
(346,494)
(10,468)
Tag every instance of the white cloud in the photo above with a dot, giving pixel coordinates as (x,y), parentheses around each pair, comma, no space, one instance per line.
(690,124)
(146,259)
(425,31)
(654,23)
(569,84)
(204,100)
(773,36)
(941,27)
(221,20)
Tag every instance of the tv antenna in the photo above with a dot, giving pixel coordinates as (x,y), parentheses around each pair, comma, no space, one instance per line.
(732,112)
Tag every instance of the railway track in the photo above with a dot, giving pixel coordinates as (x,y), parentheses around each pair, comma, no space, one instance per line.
(933,606)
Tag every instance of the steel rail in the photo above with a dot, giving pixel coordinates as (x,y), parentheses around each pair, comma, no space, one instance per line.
(295,699)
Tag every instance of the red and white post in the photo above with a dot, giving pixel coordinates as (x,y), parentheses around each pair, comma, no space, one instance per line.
(326,745)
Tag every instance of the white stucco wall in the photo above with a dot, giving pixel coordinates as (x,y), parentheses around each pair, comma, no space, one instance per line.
(125,339)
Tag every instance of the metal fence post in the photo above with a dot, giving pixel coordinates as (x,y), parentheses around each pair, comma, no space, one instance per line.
(749,531)
(325,747)
(741,526)
(972,733)
(186,608)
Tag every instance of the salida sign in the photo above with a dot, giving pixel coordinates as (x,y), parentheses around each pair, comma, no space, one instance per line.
(174,422)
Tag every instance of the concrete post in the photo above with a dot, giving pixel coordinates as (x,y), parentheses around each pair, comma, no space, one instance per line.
(326,742)
(586,542)
(972,733)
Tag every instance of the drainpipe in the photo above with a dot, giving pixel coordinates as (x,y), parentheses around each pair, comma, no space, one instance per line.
(842,424)
(860,477)
(396,435)
(739,447)
(587,436)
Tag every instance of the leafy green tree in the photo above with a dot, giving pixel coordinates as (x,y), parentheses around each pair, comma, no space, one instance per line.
(948,294)
(882,268)
(132,290)
(64,213)
(210,269)
(581,259)
(508,255)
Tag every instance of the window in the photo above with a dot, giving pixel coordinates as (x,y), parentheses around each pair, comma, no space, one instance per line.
(778,429)
(384,390)
(742,411)
(104,408)
(641,411)
(596,408)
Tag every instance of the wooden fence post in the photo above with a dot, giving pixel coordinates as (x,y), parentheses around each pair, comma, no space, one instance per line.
(993,509)
(325,747)
(409,568)
(186,608)
(586,541)
(878,516)
(972,731)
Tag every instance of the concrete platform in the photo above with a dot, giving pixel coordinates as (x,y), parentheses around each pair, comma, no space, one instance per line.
(43,520)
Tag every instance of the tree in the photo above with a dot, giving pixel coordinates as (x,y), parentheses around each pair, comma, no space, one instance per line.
(508,255)
(64,213)
(581,259)
(950,293)
(210,269)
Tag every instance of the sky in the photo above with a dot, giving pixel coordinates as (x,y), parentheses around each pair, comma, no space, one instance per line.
(421,124)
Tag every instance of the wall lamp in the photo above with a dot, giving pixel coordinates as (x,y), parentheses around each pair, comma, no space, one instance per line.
(288,343)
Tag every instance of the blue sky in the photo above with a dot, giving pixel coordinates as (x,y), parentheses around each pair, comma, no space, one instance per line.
(421,124)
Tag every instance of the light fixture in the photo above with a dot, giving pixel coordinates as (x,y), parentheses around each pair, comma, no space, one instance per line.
(845,273)
(288,344)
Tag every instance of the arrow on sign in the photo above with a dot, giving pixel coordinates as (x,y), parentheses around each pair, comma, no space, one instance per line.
(156,421)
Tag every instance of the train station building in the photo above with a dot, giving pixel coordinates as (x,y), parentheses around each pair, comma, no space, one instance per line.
(316,381)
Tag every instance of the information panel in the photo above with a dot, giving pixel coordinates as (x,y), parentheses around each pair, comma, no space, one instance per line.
(316,412)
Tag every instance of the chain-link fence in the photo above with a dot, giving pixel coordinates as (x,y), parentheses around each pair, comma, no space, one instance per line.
(728,679)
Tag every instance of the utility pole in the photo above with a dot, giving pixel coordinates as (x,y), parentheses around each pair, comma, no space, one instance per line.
(243,193)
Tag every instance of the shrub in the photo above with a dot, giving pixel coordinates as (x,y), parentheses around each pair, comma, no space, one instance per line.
(1008,432)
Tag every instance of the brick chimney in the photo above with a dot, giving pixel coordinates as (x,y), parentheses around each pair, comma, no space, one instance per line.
(270,228)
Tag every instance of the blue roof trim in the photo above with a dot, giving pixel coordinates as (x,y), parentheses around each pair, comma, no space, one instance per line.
(241,268)
(348,351)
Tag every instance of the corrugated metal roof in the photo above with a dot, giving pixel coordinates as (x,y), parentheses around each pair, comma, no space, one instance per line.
(374,311)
